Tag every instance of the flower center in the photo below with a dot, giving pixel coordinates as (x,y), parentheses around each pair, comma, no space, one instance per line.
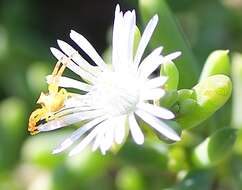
(117,93)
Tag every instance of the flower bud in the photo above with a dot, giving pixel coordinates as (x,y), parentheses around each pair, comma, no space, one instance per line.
(169,69)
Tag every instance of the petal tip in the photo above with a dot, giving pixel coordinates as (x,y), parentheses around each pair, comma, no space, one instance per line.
(55,151)
(156,17)
(117,8)
(177,138)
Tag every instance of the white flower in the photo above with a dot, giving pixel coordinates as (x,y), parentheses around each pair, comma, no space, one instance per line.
(114,96)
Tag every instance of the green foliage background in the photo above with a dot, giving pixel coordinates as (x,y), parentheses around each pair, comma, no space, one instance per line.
(208,157)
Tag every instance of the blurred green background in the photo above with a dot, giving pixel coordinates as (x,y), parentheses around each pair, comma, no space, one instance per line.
(28,28)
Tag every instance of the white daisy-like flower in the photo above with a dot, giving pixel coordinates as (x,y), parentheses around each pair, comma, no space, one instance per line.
(114,96)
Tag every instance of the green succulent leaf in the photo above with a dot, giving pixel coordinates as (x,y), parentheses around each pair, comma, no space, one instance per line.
(215,148)
(207,97)
(217,63)
(169,69)
(169,99)
(195,180)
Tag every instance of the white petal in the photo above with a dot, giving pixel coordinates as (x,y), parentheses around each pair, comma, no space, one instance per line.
(71,52)
(157,124)
(149,66)
(73,109)
(156,110)
(153,61)
(150,63)
(83,43)
(153,94)
(119,130)
(80,103)
(155,82)
(102,145)
(73,67)
(66,120)
(103,141)
(108,137)
(171,56)
(98,139)
(145,39)
(77,134)
(117,27)
(129,29)
(70,83)
(136,132)
(85,142)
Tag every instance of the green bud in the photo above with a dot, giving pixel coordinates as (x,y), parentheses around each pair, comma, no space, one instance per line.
(237,90)
(184,94)
(169,99)
(210,95)
(169,69)
(169,34)
(187,105)
(186,101)
(216,63)
(214,148)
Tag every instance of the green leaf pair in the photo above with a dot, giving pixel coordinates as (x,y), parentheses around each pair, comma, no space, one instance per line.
(211,150)
(203,100)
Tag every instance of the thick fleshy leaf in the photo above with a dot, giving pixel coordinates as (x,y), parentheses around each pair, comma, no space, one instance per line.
(209,95)
(169,99)
(215,148)
(195,180)
(216,63)
(169,69)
